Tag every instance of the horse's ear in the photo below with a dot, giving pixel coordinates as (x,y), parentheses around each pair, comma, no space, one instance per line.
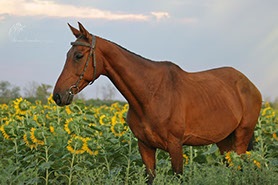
(83,31)
(75,31)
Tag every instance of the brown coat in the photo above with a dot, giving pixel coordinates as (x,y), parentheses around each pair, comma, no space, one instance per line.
(169,107)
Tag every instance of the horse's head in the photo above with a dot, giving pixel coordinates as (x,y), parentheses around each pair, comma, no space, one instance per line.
(79,69)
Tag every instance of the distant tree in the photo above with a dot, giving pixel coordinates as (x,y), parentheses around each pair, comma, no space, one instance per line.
(30,89)
(43,92)
(108,92)
(275,103)
(80,96)
(8,91)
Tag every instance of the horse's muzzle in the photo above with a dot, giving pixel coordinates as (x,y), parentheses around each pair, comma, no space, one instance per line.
(63,99)
(57,99)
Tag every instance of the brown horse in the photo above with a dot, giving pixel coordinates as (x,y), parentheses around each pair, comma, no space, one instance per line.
(168,107)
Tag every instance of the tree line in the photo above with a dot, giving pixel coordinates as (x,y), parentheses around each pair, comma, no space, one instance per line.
(34,91)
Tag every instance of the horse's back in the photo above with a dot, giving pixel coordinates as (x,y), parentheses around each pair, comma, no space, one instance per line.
(230,78)
(246,90)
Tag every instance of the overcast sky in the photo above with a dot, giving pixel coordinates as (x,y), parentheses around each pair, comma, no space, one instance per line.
(195,34)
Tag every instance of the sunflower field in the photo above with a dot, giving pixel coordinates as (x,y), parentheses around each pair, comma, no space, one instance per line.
(87,144)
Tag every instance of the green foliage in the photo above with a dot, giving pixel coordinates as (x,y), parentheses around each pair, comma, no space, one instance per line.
(92,144)
(34,92)
(8,91)
(43,93)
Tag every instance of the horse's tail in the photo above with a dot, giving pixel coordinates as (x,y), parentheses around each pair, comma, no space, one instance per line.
(251,143)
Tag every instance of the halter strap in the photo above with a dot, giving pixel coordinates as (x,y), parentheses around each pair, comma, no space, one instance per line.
(92,53)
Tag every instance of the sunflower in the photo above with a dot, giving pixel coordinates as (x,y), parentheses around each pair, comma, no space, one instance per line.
(125,109)
(4,106)
(4,133)
(268,111)
(51,129)
(68,111)
(117,128)
(38,119)
(76,145)
(186,158)
(257,163)
(275,136)
(21,106)
(34,137)
(248,153)
(28,141)
(50,99)
(91,147)
(115,106)
(101,119)
(228,158)
(66,126)
(4,128)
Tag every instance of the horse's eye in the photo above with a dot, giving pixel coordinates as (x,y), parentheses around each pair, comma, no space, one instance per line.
(78,56)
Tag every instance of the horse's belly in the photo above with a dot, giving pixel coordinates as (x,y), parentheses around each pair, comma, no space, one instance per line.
(210,129)
(195,140)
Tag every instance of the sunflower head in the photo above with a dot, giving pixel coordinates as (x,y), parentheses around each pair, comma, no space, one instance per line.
(21,106)
(118,129)
(50,99)
(75,145)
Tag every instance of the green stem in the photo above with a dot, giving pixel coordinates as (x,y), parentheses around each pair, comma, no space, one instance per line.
(128,160)
(47,171)
(72,166)
(37,173)
(261,138)
(46,159)
(16,158)
(190,163)
(58,115)
(107,164)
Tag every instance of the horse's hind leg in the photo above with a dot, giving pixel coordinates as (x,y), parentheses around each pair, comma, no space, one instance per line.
(244,134)
(250,145)
(251,100)
(245,130)
(227,144)
(239,140)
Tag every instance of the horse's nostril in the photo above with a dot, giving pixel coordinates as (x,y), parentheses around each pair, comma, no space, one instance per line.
(57,99)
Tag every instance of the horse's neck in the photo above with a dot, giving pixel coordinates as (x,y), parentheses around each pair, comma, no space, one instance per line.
(134,76)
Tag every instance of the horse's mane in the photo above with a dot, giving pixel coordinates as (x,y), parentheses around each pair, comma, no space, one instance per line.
(83,37)
(128,50)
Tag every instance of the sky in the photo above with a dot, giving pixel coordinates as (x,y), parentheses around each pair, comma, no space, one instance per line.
(195,34)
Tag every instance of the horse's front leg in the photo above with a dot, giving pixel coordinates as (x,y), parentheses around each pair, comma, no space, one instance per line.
(175,151)
(148,157)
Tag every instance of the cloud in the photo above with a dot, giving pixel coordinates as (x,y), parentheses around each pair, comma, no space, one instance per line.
(53,9)
(160,15)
